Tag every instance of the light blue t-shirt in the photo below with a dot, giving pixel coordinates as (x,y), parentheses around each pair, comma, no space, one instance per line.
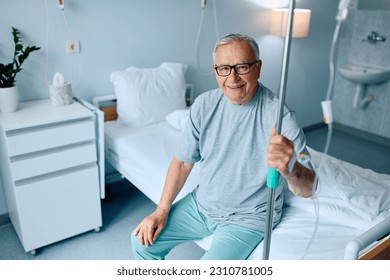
(230,143)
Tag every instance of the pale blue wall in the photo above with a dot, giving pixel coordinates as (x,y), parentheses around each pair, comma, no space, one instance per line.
(120,33)
(117,34)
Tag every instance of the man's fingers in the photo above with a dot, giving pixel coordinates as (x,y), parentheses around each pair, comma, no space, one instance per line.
(146,235)
(157,233)
(150,228)
(273,132)
(276,139)
(136,231)
(150,236)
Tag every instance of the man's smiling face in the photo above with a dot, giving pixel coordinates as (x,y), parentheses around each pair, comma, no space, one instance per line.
(240,89)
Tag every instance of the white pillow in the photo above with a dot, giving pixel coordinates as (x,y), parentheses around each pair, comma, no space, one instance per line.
(147,95)
(347,193)
(178,118)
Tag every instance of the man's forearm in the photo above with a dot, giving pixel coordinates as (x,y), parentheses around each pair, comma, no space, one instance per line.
(177,175)
(301,180)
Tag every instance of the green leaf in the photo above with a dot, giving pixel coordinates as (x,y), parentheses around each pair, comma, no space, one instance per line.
(21,59)
(19,47)
(34,48)
(9,66)
(16,35)
(8,71)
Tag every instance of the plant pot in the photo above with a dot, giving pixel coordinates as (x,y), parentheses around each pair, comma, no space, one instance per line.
(9,99)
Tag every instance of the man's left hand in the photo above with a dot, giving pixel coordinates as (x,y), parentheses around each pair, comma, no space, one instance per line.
(280,152)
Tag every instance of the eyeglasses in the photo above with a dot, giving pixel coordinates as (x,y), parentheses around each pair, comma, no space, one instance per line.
(240,69)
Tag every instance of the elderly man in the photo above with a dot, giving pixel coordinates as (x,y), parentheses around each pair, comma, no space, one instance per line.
(231,134)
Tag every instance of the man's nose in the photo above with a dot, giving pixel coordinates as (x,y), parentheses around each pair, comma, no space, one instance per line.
(233,75)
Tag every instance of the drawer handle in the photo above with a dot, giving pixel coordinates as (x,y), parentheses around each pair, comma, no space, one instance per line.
(54,174)
(36,128)
(50,151)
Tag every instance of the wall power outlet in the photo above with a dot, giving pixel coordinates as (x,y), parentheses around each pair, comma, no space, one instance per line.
(72,46)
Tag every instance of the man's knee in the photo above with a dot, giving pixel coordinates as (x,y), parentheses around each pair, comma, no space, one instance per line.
(137,248)
(141,252)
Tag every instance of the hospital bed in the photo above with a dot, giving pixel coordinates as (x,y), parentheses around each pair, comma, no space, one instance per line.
(349,218)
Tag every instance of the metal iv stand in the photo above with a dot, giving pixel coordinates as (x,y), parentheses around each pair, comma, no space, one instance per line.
(273,175)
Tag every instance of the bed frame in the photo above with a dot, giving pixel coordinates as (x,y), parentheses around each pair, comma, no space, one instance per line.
(373,244)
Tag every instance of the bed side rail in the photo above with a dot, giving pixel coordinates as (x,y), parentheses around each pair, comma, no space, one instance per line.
(98,101)
(107,104)
(366,239)
(99,117)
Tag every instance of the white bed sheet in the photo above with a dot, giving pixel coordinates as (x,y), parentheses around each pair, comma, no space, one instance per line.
(290,239)
(143,155)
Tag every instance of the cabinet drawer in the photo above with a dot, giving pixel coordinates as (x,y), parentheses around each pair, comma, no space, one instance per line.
(59,207)
(40,164)
(38,138)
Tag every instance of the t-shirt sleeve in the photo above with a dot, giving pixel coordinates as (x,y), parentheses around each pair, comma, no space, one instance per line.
(188,148)
(293,131)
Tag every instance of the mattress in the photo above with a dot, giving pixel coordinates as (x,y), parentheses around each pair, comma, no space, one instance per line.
(143,155)
(294,238)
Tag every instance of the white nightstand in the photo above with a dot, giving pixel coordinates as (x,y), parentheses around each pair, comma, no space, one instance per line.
(50,171)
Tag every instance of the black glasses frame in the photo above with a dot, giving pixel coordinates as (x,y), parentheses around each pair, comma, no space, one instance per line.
(235,69)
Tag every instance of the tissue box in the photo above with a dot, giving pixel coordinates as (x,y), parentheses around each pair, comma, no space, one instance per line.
(61,94)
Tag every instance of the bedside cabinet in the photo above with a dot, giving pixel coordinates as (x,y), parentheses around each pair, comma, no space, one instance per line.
(50,171)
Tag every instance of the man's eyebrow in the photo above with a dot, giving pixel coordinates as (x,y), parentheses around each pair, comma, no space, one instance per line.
(244,62)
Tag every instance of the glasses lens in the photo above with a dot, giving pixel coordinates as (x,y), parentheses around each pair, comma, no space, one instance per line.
(223,70)
(242,68)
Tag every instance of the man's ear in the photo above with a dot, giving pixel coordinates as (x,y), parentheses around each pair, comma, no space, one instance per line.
(260,63)
(213,67)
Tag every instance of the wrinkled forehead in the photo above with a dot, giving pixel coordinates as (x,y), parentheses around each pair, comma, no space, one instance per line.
(233,53)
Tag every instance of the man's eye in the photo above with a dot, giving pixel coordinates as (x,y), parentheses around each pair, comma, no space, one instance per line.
(223,68)
(241,67)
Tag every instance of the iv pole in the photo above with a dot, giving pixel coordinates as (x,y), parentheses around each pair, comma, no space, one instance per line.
(273,175)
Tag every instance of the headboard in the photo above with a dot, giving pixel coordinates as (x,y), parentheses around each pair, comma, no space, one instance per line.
(107,103)
(110,113)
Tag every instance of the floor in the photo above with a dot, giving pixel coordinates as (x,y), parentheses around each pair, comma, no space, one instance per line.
(126,207)
(122,211)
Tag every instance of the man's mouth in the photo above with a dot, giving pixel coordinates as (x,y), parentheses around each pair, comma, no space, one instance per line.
(235,86)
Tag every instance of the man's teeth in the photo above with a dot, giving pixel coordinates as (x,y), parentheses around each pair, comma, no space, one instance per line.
(238,86)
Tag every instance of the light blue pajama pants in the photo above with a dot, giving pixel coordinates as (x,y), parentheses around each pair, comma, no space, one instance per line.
(185,223)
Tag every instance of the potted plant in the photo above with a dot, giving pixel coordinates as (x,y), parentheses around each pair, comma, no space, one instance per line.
(9,95)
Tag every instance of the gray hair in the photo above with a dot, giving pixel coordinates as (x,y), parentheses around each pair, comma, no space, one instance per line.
(237,37)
